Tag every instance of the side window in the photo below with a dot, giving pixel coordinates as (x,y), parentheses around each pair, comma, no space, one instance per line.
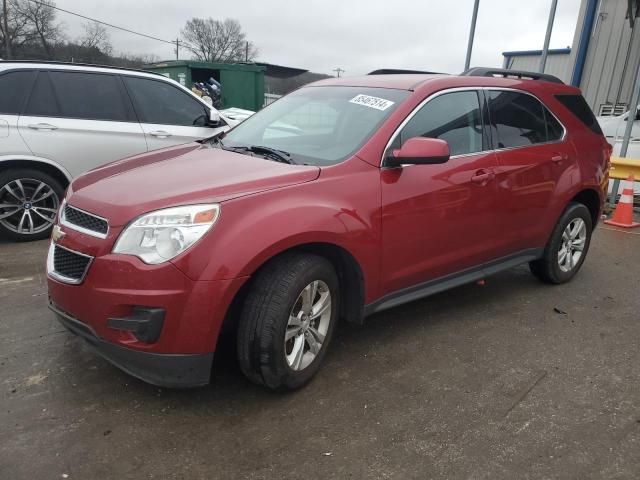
(454,117)
(42,101)
(91,96)
(554,129)
(14,87)
(162,103)
(517,119)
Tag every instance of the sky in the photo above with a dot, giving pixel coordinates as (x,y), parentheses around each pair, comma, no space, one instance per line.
(355,35)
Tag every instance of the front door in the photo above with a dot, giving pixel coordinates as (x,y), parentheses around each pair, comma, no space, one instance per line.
(440,219)
(168,115)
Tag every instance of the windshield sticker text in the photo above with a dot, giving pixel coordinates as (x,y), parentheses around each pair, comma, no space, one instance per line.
(372,102)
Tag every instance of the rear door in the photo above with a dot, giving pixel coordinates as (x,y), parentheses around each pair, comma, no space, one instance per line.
(168,115)
(80,120)
(533,157)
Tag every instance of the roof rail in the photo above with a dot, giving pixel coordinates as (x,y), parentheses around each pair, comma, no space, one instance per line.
(501,72)
(53,62)
(393,71)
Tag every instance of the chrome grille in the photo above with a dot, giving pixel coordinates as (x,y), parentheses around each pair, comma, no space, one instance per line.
(84,221)
(68,266)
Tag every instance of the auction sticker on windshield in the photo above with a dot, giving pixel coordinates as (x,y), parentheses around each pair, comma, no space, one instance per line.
(371,102)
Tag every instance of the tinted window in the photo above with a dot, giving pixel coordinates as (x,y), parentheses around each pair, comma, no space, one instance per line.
(517,119)
(579,107)
(14,87)
(161,102)
(90,96)
(454,117)
(42,101)
(554,129)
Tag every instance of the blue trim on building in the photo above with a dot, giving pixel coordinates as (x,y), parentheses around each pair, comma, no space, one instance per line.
(526,53)
(583,45)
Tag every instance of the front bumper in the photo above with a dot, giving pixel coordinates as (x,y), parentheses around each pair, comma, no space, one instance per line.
(163,370)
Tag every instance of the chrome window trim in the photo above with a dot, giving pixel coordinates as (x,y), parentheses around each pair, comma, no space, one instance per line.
(398,129)
(58,276)
(77,228)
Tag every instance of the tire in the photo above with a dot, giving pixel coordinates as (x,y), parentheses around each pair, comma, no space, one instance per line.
(18,190)
(275,299)
(554,267)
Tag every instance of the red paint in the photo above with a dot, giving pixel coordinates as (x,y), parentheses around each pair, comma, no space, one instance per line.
(402,226)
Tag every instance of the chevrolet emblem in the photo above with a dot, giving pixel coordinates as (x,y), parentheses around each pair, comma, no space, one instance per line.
(57,234)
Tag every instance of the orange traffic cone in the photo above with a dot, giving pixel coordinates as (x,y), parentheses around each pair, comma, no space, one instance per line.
(623,216)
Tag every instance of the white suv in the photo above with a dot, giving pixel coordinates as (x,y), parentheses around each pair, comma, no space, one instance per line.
(58,120)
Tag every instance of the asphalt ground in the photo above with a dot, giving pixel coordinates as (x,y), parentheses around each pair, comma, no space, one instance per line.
(511,380)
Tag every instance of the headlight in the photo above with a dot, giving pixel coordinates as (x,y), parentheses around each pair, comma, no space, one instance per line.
(161,235)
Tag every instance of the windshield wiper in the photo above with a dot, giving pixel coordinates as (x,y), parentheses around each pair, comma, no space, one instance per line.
(278,155)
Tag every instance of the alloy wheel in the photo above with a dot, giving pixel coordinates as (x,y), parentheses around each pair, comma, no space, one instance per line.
(572,245)
(28,206)
(308,325)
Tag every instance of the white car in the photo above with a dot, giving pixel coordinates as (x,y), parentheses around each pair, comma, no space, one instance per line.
(58,120)
(613,129)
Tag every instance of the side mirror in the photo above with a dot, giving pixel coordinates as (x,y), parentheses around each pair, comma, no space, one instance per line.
(214,117)
(419,151)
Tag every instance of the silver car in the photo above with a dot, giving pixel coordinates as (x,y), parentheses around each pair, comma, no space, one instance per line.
(58,120)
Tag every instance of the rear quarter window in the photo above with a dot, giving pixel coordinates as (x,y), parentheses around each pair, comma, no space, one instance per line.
(579,107)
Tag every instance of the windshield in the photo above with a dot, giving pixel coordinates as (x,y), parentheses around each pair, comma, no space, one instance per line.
(317,125)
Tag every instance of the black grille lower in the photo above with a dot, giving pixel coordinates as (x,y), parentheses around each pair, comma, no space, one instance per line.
(69,264)
(85,220)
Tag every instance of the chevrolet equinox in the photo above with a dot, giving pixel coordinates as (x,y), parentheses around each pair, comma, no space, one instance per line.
(343,198)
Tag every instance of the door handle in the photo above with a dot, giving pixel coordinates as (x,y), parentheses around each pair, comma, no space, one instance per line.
(559,157)
(160,134)
(482,176)
(42,126)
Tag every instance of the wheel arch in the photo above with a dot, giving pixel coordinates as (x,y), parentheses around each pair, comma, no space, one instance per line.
(350,276)
(47,166)
(590,199)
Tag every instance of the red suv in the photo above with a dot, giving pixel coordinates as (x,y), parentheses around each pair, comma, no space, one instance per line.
(344,198)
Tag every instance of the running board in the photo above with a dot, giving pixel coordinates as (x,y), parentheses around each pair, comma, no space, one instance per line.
(441,284)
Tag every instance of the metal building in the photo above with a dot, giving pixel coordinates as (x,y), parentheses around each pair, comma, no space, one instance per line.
(558,62)
(606,53)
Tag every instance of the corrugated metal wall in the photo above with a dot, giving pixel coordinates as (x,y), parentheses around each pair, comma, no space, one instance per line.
(558,65)
(602,80)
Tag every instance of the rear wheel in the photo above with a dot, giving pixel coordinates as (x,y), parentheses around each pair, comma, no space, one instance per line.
(567,248)
(287,321)
(29,200)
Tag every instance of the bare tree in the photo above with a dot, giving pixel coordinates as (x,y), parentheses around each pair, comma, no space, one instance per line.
(15,29)
(218,41)
(96,37)
(40,20)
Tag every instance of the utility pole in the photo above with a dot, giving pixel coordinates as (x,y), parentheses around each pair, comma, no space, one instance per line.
(547,37)
(472,34)
(338,71)
(177,49)
(246,51)
(5,27)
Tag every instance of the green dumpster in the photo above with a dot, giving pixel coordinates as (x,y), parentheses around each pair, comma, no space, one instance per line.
(242,84)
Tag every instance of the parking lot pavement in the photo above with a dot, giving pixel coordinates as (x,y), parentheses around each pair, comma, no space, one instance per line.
(514,379)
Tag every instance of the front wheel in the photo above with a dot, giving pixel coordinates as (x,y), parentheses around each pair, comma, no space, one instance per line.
(287,321)
(567,248)
(29,201)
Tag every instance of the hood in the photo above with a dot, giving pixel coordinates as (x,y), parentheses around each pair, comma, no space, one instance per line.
(187,174)
(233,116)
